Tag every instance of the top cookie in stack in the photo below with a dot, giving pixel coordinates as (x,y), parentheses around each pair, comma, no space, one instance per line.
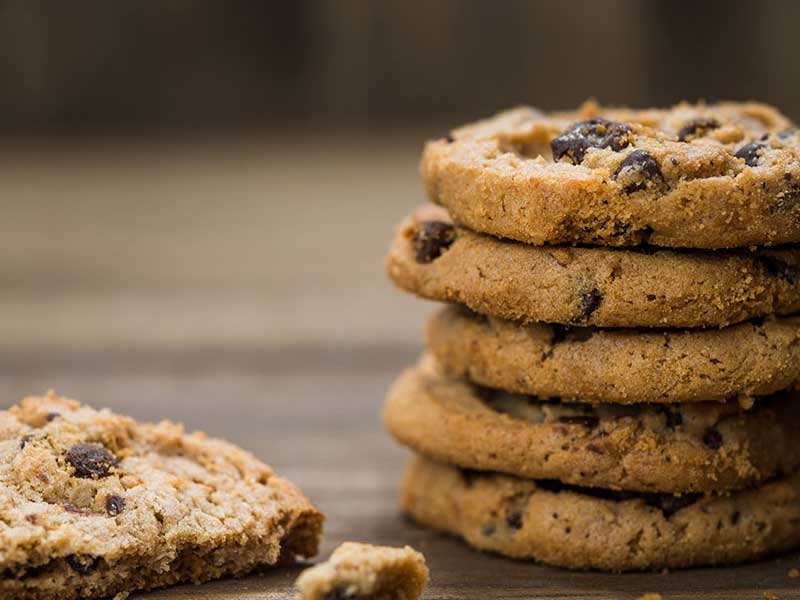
(622,344)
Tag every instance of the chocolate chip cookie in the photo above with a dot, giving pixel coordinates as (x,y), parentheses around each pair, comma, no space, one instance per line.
(603,287)
(94,504)
(648,447)
(695,176)
(753,358)
(583,528)
(366,572)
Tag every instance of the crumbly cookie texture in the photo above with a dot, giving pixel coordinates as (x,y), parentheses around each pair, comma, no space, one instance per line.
(648,447)
(753,358)
(696,176)
(603,287)
(93,504)
(600,529)
(365,572)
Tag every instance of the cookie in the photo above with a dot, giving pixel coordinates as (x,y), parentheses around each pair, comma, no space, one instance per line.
(366,572)
(694,176)
(647,447)
(583,528)
(603,287)
(626,366)
(94,504)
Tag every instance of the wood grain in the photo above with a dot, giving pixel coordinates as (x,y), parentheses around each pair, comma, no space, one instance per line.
(315,418)
(238,287)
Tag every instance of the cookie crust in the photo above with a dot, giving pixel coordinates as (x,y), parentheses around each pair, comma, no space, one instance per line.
(94,504)
(602,287)
(677,448)
(528,520)
(733,184)
(623,366)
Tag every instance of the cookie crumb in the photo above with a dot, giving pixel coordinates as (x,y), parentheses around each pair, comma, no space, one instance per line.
(770,596)
(365,571)
(650,596)
(121,596)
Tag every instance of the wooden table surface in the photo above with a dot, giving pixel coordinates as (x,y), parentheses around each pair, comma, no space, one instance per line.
(238,288)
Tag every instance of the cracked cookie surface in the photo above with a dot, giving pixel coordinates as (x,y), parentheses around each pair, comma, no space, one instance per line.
(603,287)
(600,529)
(93,504)
(648,447)
(754,358)
(365,572)
(696,176)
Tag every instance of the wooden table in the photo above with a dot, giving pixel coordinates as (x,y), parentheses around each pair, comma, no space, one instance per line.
(238,289)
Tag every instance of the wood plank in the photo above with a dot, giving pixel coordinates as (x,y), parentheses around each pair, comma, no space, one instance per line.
(315,417)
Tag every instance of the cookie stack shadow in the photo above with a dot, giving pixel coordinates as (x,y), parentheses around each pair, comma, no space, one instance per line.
(610,382)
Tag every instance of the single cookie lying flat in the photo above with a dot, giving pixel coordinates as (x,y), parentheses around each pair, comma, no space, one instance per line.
(366,572)
(93,504)
(695,176)
(624,366)
(603,287)
(647,447)
(600,529)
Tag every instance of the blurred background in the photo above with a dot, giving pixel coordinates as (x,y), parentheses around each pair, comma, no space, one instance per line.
(215,183)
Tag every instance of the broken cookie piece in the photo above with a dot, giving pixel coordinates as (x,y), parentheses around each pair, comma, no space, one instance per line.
(365,572)
(94,504)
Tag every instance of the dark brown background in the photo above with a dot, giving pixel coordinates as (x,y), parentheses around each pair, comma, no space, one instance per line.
(195,200)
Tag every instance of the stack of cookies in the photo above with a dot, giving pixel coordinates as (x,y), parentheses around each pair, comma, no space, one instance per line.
(610,386)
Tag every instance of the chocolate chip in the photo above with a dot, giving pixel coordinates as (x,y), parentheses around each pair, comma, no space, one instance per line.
(637,171)
(694,128)
(74,509)
(588,304)
(588,421)
(115,504)
(712,438)
(514,520)
(750,153)
(595,448)
(52,415)
(735,517)
(777,268)
(32,518)
(82,564)
(594,133)
(24,440)
(670,504)
(431,238)
(672,418)
(91,460)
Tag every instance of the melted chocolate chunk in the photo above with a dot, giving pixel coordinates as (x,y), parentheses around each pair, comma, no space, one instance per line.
(589,302)
(91,461)
(115,504)
(431,238)
(24,440)
(712,438)
(589,421)
(514,520)
(777,268)
(750,153)
(695,128)
(594,133)
(637,170)
(673,418)
(82,564)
